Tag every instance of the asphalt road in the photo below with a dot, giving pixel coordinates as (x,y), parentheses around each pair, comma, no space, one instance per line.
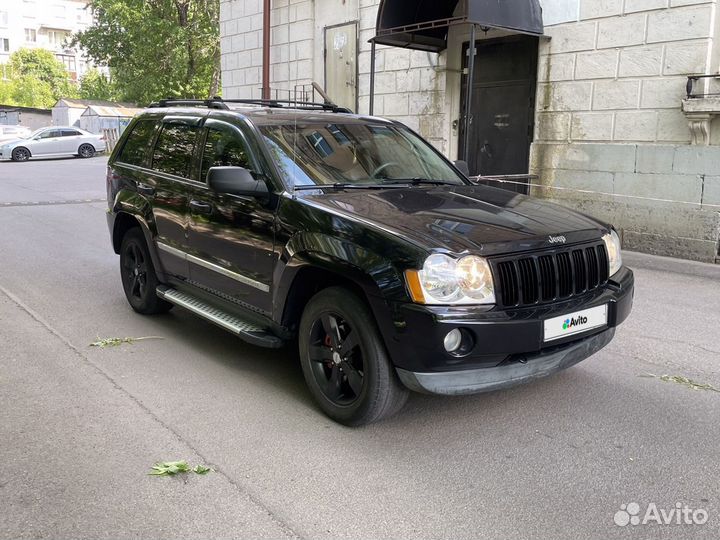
(81,426)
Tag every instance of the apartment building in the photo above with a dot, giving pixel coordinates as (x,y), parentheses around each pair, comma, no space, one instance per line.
(610,104)
(46,24)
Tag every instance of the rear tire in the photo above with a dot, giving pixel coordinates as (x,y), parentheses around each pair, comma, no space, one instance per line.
(20,154)
(343,358)
(138,275)
(86,150)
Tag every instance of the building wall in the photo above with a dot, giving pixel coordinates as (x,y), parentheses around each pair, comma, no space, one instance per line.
(610,137)
(610,132)
(44,24)
(410,85)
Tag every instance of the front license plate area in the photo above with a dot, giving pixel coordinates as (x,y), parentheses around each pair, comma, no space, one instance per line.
(575,323)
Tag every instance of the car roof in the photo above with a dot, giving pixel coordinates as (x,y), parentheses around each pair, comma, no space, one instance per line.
(260,115)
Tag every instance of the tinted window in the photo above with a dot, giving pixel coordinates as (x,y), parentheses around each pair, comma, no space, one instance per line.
(224,146)
(174,149)
(70,133)
(50,133)
(138,143)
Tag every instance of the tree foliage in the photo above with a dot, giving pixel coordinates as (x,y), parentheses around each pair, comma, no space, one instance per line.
(35,78)
(156,48)
(95,85)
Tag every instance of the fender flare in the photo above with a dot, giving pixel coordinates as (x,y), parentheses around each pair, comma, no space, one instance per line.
(136,206)
(376,276)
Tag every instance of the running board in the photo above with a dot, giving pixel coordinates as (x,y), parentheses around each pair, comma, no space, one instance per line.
(245,330)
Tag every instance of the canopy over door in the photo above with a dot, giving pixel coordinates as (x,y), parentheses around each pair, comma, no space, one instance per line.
(422,24)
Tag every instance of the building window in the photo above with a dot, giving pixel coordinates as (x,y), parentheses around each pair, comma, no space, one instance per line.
(4,45)
(56,37)
(30,35)
(68,61)
(3,19)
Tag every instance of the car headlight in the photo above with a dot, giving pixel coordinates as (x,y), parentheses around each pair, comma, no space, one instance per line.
(612,244)
(445,280)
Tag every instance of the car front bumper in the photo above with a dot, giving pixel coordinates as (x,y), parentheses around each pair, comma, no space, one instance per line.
(516,372)
(508,346)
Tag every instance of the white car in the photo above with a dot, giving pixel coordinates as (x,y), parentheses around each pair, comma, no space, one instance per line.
(51,142)
(13,132)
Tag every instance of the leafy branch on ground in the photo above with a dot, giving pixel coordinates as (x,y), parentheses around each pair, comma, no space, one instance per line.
(679,379)
(115,341)
(171,468)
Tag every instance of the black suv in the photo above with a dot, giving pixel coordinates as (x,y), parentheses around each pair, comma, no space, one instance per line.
(352,235)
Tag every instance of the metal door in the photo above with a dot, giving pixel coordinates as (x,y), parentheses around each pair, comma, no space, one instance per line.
(503,106)
(341,64)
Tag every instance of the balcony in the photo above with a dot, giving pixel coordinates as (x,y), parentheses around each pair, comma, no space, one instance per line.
(702,106)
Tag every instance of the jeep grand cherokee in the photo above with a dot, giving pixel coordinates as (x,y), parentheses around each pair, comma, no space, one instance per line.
(355,238)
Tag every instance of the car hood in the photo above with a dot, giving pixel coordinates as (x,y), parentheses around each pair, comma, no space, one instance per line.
(464,218)
(12,141)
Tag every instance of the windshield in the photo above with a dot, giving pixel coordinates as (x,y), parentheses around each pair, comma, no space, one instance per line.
(314,153)
(36,132)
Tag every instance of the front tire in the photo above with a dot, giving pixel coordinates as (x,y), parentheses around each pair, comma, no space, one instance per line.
(343,358)
(86,150)
(20,154)
(138,275)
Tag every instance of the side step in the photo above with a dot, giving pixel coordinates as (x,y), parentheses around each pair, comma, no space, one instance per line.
(244,330)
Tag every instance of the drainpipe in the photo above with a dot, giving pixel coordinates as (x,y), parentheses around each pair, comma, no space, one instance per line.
(266,50)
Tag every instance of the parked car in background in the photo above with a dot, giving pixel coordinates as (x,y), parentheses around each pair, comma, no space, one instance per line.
(13,132)
(52,142)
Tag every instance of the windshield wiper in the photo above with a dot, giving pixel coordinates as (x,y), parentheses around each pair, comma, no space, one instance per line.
(418,181)
(338,186)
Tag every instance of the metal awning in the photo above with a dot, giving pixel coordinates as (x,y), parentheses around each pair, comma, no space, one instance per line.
(423,24)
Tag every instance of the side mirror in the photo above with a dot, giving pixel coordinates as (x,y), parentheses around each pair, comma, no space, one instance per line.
(235,181)
(463,167)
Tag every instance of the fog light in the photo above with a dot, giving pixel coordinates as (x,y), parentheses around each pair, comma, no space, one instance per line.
(453,340)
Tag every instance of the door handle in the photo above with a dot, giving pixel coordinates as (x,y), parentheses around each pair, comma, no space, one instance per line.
(144,189)
(198,207)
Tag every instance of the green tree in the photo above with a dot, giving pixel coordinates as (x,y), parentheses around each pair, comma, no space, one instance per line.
(156,48)
(40,65)
(95,85)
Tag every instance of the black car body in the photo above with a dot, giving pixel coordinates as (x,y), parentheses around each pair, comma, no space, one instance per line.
(252,249)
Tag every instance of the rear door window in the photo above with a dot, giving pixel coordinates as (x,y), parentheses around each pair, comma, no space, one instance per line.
(137,145)
(70,133)
(174,148)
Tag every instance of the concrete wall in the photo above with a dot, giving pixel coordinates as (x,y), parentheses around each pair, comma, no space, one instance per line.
(610,132)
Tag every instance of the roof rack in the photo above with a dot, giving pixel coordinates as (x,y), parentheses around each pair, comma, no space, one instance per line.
(220,103)
(214,103)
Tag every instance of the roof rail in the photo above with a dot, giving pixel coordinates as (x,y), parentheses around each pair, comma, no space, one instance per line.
(213,103)
(220,103)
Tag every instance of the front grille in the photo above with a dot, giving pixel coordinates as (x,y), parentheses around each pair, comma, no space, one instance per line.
(526,280)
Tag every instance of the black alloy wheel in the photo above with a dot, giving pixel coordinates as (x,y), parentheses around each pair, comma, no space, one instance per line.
(138,275)
(86,151)
(337,359)
(20,154)
(343,357)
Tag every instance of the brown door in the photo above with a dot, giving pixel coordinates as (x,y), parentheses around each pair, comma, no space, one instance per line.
(503,106)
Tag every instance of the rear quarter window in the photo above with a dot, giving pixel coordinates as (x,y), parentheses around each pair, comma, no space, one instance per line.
(137,145)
